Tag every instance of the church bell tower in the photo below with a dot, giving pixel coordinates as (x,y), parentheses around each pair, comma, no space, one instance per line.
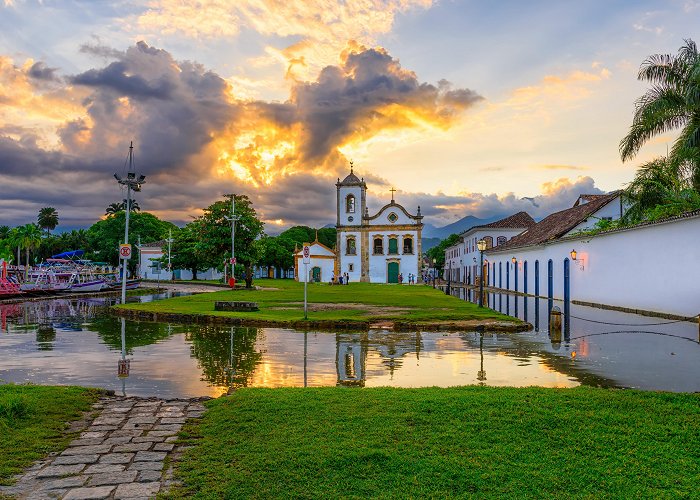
(351,201)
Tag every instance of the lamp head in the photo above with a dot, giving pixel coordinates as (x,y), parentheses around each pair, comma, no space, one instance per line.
(142,179)
(116,176)
(131,175)
(514,260)
(481,245)
(573,255)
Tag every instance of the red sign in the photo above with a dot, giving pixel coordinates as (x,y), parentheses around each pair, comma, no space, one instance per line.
(233,260)
(125,251)
(306,254)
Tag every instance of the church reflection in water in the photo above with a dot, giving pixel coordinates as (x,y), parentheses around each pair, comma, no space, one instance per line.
(390,347)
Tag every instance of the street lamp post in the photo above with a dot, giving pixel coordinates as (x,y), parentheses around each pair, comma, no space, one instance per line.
(233,220)
(170,268)
(481,245)
(434,262)
(449,278)
(131,182)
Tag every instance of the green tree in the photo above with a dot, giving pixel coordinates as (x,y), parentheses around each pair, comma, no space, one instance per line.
(48,219)
(29,238)
(4,232)
(672,102)
(103,237)
(186,252)
(215,234)
(437,253)
(113,208)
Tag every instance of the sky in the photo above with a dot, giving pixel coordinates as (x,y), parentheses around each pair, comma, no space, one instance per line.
(464,107)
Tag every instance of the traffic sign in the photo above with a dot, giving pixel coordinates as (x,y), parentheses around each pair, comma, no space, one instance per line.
(125,251)
(233,260)
(307,254)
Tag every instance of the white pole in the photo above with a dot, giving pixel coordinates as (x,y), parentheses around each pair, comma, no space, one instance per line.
(306,281)
(126,232)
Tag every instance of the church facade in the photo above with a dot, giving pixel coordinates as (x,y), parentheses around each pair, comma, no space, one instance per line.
(375,248)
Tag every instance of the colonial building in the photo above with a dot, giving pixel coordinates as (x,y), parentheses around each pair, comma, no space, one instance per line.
(375,248)
(462,258)
(321,266)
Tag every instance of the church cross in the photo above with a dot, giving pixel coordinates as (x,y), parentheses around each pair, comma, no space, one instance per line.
(392,193)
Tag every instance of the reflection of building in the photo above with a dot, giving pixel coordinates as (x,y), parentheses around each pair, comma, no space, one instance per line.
(394,346)
(351,359)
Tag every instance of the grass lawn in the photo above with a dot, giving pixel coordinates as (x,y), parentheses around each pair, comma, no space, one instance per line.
(282,301)
(444,443)
(33,422)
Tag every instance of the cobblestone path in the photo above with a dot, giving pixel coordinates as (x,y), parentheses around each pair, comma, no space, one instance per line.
(121,454)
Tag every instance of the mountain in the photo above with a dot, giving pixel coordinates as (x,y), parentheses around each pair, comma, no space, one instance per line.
(430,231)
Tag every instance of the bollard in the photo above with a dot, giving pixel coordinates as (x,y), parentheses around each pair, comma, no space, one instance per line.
(555,324)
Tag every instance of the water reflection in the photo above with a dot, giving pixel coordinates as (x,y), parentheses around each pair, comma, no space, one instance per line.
(74,341)
(626,350)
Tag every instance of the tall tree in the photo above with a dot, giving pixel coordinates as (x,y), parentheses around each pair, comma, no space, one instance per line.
(215,234)
(186,252)
(672,102)
(113,208)
(29,238)
(48,219)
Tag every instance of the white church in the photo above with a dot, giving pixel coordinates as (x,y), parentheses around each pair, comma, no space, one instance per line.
(369,248)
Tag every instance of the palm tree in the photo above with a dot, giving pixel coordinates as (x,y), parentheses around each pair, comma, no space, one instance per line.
(4,232)
(48,219)
(29,238)
(661,187)
(114,208)
(133,207)
(672,102)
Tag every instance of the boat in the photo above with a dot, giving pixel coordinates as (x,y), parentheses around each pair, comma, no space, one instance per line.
(8,287)
(130,284)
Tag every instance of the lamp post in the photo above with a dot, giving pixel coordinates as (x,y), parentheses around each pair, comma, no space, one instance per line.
(449,277)
(233,220)
(170,268)
(131,182)
(481,245)
(434,262)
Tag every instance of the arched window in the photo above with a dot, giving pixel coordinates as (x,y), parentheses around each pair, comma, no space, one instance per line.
(407,245)
(501,240)
(350,204)
(350,246)
(489,241)
(393,246)
(378,246)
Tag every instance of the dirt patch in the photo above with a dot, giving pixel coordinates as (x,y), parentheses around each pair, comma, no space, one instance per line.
(326,306)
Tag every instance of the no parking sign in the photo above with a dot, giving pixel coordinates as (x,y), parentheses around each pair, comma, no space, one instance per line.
(306,254)
(125,251)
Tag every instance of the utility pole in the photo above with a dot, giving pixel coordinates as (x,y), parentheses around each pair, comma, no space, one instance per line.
(233,220)
(170,240)
(131,182)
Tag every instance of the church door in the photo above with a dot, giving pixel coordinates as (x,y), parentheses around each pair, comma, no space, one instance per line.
(392,272)
(316,274)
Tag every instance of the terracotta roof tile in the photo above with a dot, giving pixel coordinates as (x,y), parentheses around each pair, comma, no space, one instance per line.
(558,224)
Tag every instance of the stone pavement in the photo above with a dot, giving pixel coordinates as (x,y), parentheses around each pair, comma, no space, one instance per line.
(121,454)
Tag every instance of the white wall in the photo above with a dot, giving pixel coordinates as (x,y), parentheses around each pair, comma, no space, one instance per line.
(653,268)
(355,260)
(612,210)
(327,268)
(356,191)
(408,263)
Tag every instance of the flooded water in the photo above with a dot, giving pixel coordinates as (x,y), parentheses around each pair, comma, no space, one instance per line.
(629,350)
(75,341)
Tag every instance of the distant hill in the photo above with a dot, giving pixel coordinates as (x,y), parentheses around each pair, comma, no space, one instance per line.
(428,243)
(430,231)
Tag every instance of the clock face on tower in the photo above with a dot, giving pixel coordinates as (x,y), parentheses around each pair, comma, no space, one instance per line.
(351,218)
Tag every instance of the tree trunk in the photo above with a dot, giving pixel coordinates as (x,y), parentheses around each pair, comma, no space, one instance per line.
(194,273)
(248,276)
(26,267)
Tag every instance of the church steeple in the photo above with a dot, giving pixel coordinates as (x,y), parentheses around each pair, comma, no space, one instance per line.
(351,201)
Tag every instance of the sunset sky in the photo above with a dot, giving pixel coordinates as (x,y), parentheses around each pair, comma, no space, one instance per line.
(465,107)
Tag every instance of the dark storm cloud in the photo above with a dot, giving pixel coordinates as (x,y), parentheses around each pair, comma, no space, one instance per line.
(351,99)
(115,77)
(41,71)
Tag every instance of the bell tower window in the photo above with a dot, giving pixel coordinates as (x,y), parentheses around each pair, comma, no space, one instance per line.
(350,204)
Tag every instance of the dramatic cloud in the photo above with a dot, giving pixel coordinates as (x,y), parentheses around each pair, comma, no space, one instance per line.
(322,27)
(194,140)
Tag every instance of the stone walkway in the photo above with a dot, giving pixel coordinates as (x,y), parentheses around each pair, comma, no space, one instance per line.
(121,454)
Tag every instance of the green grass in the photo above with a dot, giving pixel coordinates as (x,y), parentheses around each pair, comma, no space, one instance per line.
(444,443)
(33,422)
(282,301)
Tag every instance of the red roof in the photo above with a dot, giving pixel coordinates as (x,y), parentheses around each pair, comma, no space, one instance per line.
(558,224)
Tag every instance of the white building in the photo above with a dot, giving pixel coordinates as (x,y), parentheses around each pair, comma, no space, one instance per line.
(649,267)
(151,269)
(321,266)
(375,248)
(462,258)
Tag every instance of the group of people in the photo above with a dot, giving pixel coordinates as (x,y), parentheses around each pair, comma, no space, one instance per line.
(411,279)
(343,279)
